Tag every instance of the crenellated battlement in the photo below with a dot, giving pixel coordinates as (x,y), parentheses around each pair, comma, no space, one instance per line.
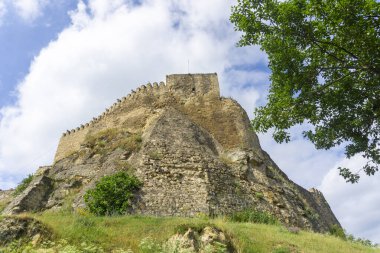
(145,89)
(194,84)
(181,86)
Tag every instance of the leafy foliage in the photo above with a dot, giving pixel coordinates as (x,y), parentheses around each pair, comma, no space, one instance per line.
(340,233)
(149,245)
(253,216)
(337,231)
(112,194)
(325,62)
(23,185)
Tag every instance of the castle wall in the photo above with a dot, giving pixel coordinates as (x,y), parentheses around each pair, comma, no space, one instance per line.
(196,95)
(124,110)
(225,120)
(70,143)
(181,173)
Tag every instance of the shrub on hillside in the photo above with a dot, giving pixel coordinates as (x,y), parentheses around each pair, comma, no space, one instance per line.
(337,231)
(113,194)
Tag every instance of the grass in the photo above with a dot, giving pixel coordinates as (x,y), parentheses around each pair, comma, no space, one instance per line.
(253,216)
(108,140)
(3,204)
(127,232)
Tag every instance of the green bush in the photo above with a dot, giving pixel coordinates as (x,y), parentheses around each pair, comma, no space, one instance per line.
(149,245)
(337,231)
(112,195)
(23,185)
(253,216)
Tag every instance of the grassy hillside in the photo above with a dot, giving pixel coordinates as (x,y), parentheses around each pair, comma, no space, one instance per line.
(127,232)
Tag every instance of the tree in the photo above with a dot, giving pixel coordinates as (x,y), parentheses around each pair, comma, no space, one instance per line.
(325,61)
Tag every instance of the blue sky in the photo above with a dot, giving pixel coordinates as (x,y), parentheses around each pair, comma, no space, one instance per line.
(21,40)
(65,61)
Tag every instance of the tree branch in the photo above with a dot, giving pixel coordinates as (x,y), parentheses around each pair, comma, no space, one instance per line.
(337,46)
(327,52)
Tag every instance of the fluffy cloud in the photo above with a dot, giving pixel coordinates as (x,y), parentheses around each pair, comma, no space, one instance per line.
(29,9)
(299,159)
(356,205)
(3,8)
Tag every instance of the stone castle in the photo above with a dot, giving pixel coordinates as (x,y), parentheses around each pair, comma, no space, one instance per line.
(181,92)
(193,150)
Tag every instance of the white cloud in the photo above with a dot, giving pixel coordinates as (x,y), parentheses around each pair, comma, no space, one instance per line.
(101,9)
(80,17)
(3,9)
(29,9)
(299,159)
(356,205)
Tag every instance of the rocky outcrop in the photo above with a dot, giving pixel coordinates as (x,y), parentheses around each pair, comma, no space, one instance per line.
(34,197)
(193,150)
(207,239)
(24,229)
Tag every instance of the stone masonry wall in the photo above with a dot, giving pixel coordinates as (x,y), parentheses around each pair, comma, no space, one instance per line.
(197,95)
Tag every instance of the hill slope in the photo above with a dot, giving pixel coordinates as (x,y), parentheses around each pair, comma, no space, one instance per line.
(80,233)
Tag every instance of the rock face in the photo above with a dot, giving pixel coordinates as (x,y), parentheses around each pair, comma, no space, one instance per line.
(34,197)
(22,228)
(193,150)
(208,239)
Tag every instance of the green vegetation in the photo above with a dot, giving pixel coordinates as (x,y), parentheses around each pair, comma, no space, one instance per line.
(3,204)
(109,140)
(340,233)
(325,67)
(113,194)
(123,165)
(337,231)
(197,227)
(253,216)
(111,233)
(309,213)
(23,185)
(259,195)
